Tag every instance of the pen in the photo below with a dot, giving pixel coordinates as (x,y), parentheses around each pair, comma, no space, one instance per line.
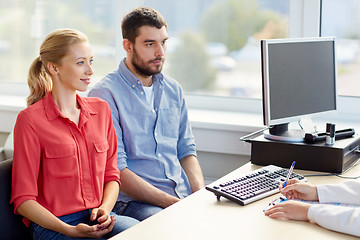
(289,173)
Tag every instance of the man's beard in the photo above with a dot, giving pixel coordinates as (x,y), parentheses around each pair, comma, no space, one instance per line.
(141,68)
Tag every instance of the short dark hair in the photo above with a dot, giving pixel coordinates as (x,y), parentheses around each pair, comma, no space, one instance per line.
(142,16)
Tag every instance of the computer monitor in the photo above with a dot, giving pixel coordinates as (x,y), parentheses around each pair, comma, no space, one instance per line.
(298,79)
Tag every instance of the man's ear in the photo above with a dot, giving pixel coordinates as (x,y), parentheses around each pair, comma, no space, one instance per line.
(127,45)
(52,68)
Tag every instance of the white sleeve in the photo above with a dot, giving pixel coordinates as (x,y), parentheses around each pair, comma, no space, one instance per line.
(346,192)
(337,218)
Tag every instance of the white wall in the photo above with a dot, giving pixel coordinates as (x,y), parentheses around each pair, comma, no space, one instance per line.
(216,165)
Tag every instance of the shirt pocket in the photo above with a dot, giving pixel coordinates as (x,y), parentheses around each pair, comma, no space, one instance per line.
(100,156)
(60,161)
(170,120)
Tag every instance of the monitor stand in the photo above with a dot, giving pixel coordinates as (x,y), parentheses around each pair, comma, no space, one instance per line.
(282,132)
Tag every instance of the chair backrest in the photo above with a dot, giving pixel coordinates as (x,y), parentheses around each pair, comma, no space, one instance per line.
(9,146)
(11,226)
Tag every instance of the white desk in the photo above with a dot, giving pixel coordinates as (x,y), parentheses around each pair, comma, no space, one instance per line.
(201,216)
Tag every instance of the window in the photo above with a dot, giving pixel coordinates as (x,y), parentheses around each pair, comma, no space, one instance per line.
(346,29)
(25,23)
(213,47)
(214,44)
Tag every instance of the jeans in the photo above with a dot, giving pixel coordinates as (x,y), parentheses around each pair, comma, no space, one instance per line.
(121,223)
(137,210)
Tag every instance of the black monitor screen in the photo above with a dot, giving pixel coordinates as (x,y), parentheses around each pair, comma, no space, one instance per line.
(301,78)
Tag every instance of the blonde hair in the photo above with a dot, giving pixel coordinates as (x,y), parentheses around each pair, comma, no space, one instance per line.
(55,46)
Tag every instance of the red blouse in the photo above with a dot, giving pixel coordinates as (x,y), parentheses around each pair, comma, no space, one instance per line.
(60,165)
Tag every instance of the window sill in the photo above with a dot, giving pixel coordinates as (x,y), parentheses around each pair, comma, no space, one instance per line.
(222,120)
(12,103)
(214,131)
(10,106)
(220,131)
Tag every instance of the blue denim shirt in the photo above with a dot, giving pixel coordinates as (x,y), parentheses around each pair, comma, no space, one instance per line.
(151,141)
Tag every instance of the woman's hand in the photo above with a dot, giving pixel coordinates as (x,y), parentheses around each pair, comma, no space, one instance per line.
(296,189)
(291,210)
(102,217)
(105,226)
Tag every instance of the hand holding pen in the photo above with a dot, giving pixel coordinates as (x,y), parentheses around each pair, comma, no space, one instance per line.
(297,189)
(296,210)
(292,189)
(281,198)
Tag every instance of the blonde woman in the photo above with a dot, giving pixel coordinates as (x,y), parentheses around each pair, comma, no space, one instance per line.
(65,176)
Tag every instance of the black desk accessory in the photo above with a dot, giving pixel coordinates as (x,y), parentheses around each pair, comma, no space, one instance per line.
(330,134)
(321,137)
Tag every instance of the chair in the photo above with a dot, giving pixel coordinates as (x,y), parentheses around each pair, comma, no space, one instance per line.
(11,226)
(6,152)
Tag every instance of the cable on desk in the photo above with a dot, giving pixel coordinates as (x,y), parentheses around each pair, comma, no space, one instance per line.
(351,177)
(246,137)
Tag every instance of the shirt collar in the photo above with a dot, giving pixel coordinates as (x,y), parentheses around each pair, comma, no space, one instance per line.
(52,111)
(130,78)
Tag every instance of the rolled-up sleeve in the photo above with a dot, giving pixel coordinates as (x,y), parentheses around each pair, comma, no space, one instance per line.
(186,142)
(26,161)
